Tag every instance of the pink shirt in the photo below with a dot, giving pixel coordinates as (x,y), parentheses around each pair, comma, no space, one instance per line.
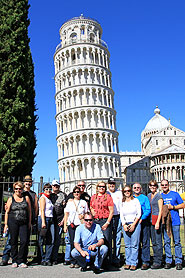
(100,204)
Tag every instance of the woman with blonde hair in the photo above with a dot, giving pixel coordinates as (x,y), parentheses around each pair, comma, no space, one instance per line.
(18,220)
(102,208)
(130,213)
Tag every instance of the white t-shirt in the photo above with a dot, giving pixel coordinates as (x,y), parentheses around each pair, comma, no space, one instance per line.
(48,212)
(129,211)
(74,208)
(117,199)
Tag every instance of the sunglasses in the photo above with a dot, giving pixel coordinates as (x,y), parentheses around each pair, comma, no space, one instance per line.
(88,220)
(48,189)
(101,186)
(77,192)
(81,185)
(137,187)
(20,189)
(127,190)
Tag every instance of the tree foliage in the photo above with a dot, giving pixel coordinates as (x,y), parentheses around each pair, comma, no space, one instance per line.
(17,94)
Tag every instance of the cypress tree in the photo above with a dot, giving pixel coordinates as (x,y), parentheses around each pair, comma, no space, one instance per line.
(17,94)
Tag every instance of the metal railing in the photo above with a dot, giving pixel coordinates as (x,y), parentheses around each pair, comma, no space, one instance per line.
(76,41)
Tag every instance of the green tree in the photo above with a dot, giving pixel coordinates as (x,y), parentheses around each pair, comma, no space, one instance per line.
(17,94)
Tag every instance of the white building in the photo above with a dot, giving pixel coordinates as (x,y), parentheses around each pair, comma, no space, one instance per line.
(87,138)
(163,146)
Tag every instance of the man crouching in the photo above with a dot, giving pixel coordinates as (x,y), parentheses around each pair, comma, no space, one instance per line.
(89,242)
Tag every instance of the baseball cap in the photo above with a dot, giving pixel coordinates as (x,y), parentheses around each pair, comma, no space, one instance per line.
(55,182)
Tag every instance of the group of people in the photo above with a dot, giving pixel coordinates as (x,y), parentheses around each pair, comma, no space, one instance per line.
(93,225)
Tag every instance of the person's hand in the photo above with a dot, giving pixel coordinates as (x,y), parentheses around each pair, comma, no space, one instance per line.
(5,206)
(84,253)
(125,227)
(65,229)
(104,227)
(43,225)
(92,247)
(156,226)
(81,216)
(61,223)
(170,206)
(5,229)
(131,227)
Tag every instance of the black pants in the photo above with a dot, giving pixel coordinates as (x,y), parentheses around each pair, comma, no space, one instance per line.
(72,236)
(20,230)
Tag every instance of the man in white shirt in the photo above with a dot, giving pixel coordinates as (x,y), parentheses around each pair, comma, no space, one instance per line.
(116,222)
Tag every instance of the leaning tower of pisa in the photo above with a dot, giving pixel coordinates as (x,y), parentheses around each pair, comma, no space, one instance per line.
(87,138)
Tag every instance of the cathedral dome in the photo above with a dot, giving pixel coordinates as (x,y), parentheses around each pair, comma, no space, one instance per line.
(157,122)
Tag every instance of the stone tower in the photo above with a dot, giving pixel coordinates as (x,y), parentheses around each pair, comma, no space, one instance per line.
(87,138)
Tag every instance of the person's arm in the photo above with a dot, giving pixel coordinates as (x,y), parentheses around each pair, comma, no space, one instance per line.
(66,215)
(8,205)
(29,211)
(36,206)
(146,209)
(42,203)
(132,226)
(160,205)
(79,249)
(179,206)
(95,245)
(111,213)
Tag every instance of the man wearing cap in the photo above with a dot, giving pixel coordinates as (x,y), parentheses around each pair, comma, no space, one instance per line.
(58,199)
(116,222)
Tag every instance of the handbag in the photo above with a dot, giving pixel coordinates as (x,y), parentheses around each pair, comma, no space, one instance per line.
(154,219)
(43,232)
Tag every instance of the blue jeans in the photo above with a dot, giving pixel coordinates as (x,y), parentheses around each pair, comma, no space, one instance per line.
(48,240)
(167,245)
(68,247)
(116,236)
(107,235)
(57,241)
(157,245)
(99,255)
(7,250)
(132,245)
(145,240)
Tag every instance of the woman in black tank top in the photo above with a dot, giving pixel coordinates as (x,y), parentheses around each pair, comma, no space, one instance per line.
(18,220)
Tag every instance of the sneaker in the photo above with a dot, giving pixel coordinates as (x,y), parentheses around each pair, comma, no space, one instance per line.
(83,269)
(76,266)
(167,266)
(179,266)
(96,270)
(14,265)
(48,263)
(155,266)
(43,263)
(3,263)
(66,263)
(72,266)
(144,267)
(22,265)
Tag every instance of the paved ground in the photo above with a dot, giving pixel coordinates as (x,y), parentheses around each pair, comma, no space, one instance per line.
(57,271)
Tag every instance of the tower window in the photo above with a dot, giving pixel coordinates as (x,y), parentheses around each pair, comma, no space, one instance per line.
(164,132)
(174,132)
(129,160)
(156,142)
(170,141)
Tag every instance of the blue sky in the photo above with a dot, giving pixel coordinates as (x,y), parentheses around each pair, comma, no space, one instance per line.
(147,46)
